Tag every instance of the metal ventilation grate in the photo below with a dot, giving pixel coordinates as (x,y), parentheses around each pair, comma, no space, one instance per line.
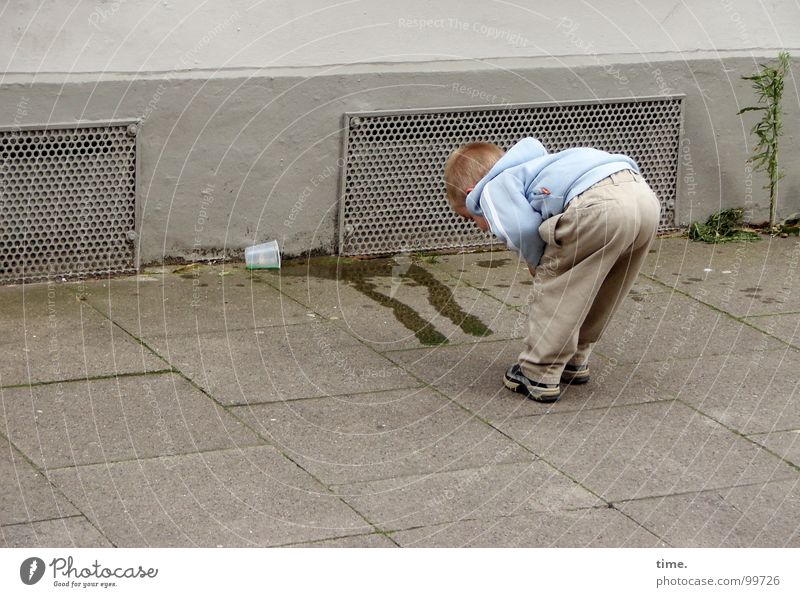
(393,196)
(67,201)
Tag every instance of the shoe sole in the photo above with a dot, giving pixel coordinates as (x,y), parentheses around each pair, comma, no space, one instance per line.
(520,388)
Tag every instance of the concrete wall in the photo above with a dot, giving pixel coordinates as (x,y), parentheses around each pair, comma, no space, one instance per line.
(239,143)
(138,36)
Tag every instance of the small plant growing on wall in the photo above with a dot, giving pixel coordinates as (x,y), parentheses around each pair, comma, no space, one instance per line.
(768,85)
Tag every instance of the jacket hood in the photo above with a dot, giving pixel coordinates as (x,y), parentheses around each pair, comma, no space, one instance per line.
(525,150)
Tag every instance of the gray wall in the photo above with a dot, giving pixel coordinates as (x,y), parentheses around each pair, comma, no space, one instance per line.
(234,156)
(137,36)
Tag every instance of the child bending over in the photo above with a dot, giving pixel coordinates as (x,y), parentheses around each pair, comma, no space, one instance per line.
(583,220)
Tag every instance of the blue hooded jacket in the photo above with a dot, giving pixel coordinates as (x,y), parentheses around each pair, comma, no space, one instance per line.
(528,185)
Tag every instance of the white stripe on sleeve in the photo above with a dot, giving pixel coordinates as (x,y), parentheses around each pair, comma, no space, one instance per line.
(499,227)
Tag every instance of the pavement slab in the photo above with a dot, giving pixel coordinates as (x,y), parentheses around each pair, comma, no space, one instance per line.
(189,300)
(660,327)
(28,310)
(785,444)
(472,375)
(485,492)
(384,435)
(751,393)
(741,278)
(457,312)
(785,326)
(762,515)
(355,541)
(646,450)
(67,339)
(399,303)
(236,498)
(589,527)
(281,363)
(74,531)
(25,494)
(91,422)
(359,403)
(503,275)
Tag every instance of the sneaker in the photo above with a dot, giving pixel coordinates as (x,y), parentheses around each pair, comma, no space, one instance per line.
(575,374)
(516,381)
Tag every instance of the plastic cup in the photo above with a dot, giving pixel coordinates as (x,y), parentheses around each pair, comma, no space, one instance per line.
(264,256)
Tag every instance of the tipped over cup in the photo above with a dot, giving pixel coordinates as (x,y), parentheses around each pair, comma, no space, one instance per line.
(263,256)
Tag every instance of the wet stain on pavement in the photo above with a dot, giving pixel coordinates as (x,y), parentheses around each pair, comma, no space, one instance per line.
(492,263)
(361,275)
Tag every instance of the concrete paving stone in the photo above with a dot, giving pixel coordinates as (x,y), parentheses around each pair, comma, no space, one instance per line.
(762,515)
(589,527)
(395,304)
(281,363)
(785,326)
(88,422)
(501,274)
(74,343)
(192,301)
(330,286)
(380,435)
(415,459)
(785,444)
(752,393)
(472,375)
(744,278)
(504,276)
(660,327)
(319,290)
(235,498)
(355,541)
(74,531)
(477,316)
(28,310)
(485,492)
(25,494)
(646,450)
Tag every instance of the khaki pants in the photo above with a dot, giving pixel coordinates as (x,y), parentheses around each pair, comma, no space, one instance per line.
(594,252)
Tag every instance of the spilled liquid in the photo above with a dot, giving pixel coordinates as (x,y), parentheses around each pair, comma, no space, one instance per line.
(362,275)
(493,263)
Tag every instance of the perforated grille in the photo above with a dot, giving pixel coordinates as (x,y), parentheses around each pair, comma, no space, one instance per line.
(67,199)
(393,196)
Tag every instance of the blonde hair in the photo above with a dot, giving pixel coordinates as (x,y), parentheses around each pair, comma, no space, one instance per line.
(466,166)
